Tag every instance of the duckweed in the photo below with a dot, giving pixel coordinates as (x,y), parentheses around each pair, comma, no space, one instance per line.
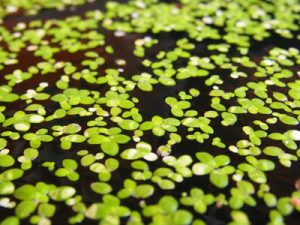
(149,112)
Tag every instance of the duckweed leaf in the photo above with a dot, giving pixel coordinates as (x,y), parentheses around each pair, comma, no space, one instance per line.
(284,206)
(219,179)
(144,191)
(6,160)
(12,220)
(202,169)
(138,115)
(46,210)
(6,188)
(129,124)
(289,120)
(25,208)
(62,193)
(101,188)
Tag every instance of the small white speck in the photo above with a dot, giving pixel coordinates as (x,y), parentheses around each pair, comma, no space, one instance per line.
(135,15)
(268,62)
(11,61)
(241,24)
(92,109)
(175,11)
(65,78)
(267,25)
(140,4)
(40,32)
(219,13)
(59,65)
(21,26)
(269,82)
(147,39)
(119,33)
(11,9)
(6,203)
(44,84)
(136,139)
(4,151)
(17,34)
(31,48)
(281,57)
(208,20)
(120,62)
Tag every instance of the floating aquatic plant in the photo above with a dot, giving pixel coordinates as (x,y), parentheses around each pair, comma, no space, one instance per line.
(149,112)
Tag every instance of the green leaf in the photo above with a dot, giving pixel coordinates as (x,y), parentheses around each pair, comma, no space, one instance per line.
(236,202)
(200,206)
(12,174)
(62,172)
(70,164)
(112,164)
(182,217)
(218,178)
(202,169)
(35,118)
(8,97)
(284,206)
(120,138)
(222,160)
(25,208)
(131,154)
(62,193)
(158,131)
(295,94)
(273,151)
(46,210)
(22,126)
(72,128)
(166,184)
(26,192)
(12,220)
(176,111)
(87,160)
(95,211)
(240,218)
(110,148)
(190,122)
(167,81)
(289,120)
(143,191)
(265,165)
(228,118)
(145,86)
(257,176)
(97,139)
(3,143)
(6,187)
(128,124)
(101,188)
(76,138)
(6,161)
(206,128)
(168,204)
(205,157)
(293,134)
(270,200)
